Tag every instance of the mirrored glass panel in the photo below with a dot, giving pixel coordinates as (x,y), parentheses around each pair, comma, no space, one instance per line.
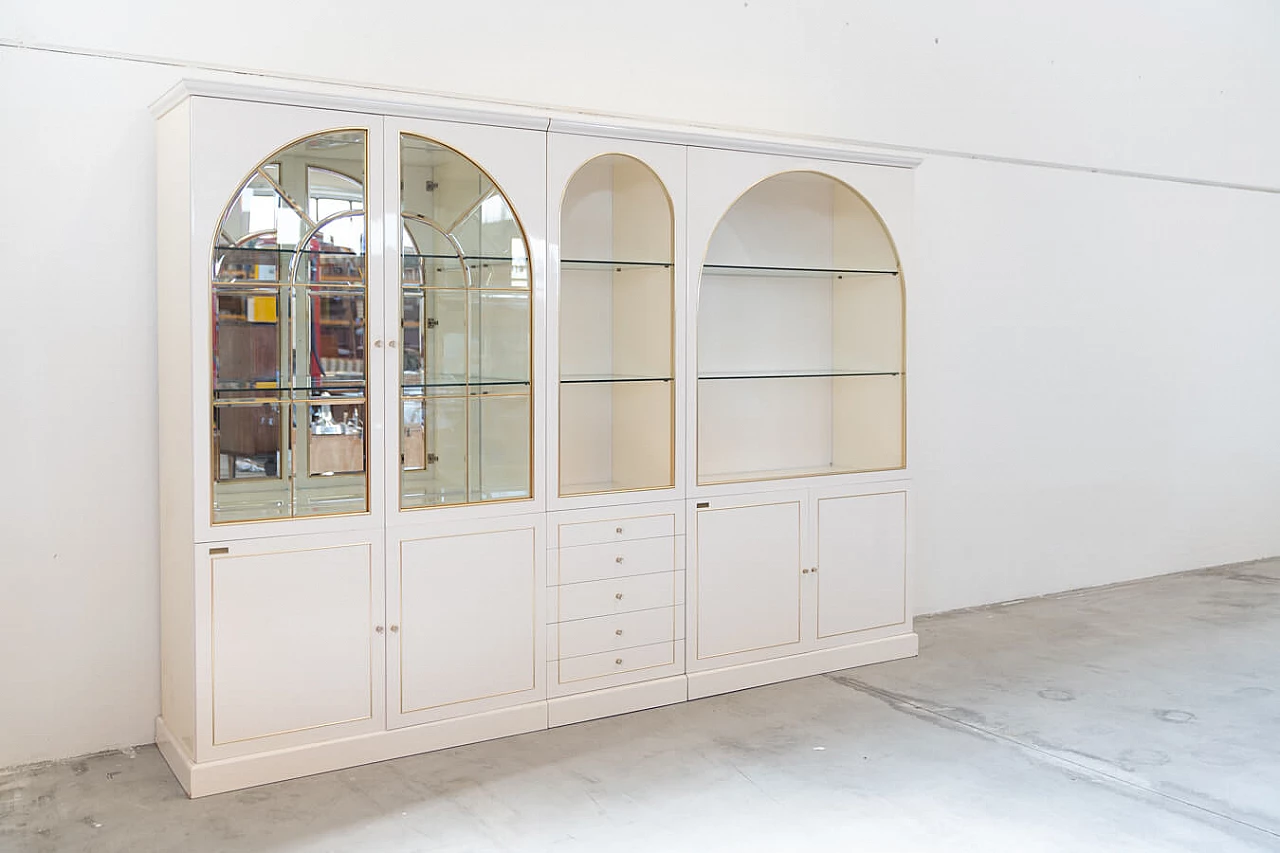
(466,321)
(290,310)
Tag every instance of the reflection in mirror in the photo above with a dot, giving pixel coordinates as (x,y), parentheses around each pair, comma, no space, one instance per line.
(290,309)
(466,323)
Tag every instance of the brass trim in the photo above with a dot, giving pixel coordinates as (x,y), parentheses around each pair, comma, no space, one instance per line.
(693,356)
(671,312)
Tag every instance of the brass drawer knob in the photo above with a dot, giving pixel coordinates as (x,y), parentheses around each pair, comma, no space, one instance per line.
(617,559)
(618,596)
(618,661)
(617,530)
(618,632)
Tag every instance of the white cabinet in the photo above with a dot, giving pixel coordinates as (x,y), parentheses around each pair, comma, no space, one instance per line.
(473,423)
(861,566)
(465,618)
(292,630)
(786,584)
(746,577)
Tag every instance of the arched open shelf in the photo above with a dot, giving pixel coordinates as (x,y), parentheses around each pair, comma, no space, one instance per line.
(617,383)
(800,336)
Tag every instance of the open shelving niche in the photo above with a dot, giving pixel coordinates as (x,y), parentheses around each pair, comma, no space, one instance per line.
(616,356)
(800,337)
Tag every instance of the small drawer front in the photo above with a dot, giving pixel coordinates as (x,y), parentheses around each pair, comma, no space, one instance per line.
(610,633)
(610,663)
(617,560)
(617,530)
(620,595)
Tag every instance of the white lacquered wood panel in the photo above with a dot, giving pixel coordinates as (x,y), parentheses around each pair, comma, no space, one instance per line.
(747,577)
(622,631)
(467,618)
(613,663)
(619,529)
(619,595)
(292,641)
(861,582)
(621,559)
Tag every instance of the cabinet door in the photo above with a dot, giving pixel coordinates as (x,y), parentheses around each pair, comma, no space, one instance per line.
(466,622)
(745,596)
(294,654)
(861,577)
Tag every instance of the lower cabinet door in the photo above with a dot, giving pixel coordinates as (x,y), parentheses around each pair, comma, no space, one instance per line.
(745,595)
(295,650)
(466,620)
(861,578)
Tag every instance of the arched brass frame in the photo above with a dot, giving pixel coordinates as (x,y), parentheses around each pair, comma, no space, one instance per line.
(283,403)
(495,190)
(898,272)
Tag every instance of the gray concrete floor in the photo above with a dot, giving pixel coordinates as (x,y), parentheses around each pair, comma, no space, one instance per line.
(1138,717)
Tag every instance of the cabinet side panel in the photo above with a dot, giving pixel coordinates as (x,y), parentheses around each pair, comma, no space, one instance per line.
(173,310)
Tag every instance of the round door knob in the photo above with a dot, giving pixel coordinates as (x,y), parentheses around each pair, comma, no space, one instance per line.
(618,596)
(617,559)
(617,530)
(392,343)
(377,343)
(395,629)
(618,661)
(378,629)
(618,632)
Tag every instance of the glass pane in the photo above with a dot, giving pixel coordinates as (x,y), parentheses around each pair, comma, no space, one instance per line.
(499,346)
(330,348)
(435,341)
(616,436)
(331,457)
(428,258)
(433,451)
(246,338)
(251,479)
(499,448)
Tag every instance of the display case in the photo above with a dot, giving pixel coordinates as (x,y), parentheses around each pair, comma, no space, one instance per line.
(800,336)
(289,298)
(616,289)
(466,314)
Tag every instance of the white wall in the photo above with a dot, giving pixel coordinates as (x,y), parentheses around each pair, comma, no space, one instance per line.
(1095,368)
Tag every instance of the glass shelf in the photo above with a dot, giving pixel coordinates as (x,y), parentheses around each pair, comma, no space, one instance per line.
(786,272)
(606,378)
(420,388)
(799,374)
(618,266)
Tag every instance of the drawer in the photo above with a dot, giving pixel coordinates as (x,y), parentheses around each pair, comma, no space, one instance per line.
(616,560)
(620,595)
(611,663)
(622,631)
(617,529)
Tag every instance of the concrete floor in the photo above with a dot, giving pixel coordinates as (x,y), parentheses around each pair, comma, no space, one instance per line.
(1137,717)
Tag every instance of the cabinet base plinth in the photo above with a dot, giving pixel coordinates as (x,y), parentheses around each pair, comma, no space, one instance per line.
(229,774)
(715,681)
(612,701)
